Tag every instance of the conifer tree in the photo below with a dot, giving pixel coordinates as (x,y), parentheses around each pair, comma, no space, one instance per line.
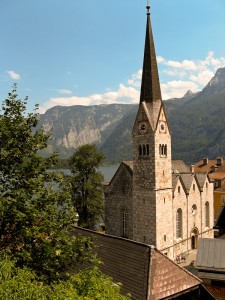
(87,185)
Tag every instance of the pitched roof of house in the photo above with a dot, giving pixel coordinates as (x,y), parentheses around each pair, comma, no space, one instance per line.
(142,269)
(210,255)
(215,168)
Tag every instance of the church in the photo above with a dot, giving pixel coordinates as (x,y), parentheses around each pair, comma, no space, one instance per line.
(152,199)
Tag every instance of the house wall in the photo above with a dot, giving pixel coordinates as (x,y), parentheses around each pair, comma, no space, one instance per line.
(219,201)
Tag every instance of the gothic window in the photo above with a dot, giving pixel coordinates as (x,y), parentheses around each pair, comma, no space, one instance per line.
(194,209)
(125,223)
(193,187)
(162,150)
(178,189)
(165,150)
(179,224)
(144,149)
(147,149)
(207,214)
(140,150)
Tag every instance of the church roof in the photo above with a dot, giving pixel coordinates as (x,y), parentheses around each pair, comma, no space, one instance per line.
(187,180)
(150,87)
(150,97)
(180,171)
(201,178)
(143,270)
(179,166)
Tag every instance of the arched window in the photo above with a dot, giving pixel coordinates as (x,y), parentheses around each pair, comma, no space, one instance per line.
(194,209)
(163,150)
(140,150)
(179,225)
(125,223)
(147,149)
(207,214)
(144,149)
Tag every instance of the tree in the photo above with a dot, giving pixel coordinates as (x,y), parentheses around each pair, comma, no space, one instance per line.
(87,185)
(35,218)
(88,284)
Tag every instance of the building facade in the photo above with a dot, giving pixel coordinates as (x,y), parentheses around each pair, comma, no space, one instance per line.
(152,199)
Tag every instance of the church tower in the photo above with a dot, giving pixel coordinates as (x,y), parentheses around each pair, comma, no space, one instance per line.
(152,169)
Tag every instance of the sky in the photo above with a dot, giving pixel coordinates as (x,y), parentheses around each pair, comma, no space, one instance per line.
(90,52)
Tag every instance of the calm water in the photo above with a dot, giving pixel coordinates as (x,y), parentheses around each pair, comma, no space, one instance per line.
(107,171)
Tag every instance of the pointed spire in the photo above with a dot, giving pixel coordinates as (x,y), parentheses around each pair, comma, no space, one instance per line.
(150,87)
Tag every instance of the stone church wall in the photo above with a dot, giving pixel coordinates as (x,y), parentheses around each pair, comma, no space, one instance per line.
(118,197)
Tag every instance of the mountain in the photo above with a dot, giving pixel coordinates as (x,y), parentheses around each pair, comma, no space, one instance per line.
(197,121)
(73,126)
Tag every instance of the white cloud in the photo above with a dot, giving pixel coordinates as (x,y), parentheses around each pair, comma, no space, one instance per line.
(189,74)
(124,94)
(64,92)
(13,75)
(177,88)
(177,77)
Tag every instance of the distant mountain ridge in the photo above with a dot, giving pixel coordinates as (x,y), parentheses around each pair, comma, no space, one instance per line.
(197,121)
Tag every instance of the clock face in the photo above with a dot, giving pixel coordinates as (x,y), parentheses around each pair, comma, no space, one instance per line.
(143,127)
(162,127)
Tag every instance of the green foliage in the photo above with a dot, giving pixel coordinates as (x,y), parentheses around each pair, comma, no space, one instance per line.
(35,217)
(23,284)
(87,184)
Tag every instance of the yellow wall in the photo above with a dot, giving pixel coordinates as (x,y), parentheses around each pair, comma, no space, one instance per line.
(219,201)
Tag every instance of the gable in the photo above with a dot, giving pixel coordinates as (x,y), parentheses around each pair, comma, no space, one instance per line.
(122,179)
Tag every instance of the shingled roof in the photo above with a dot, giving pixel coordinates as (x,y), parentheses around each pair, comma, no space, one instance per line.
(144,271)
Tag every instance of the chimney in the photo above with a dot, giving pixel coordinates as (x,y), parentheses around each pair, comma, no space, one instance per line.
(192,168)
(205,161)
(219,161)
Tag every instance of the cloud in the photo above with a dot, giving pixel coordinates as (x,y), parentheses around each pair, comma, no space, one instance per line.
(13,75)
(64,91)
(124,94)
(177,88)
(177,77)
(188,74)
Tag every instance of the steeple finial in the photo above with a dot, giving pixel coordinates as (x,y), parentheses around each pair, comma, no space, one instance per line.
(148,7)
